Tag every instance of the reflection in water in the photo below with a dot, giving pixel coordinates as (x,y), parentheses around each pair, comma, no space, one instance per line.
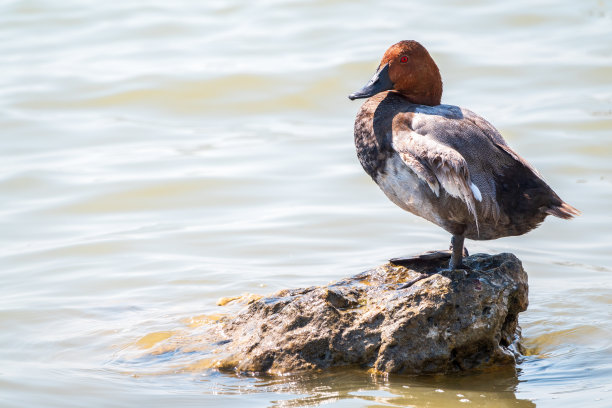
(485,390)
(356,387)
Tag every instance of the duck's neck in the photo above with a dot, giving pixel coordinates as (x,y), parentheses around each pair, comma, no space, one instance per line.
(430,97)
(423,86)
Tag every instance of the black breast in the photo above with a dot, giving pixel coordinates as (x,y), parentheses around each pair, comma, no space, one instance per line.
(373,131)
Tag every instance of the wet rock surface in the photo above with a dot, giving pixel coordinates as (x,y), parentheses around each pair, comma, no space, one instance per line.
(417,319)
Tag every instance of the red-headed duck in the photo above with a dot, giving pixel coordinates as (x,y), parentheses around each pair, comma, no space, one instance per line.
(442,162)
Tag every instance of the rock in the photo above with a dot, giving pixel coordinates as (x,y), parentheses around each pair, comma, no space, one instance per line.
(416,319)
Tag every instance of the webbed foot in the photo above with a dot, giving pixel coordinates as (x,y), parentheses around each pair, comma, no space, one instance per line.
(426,256)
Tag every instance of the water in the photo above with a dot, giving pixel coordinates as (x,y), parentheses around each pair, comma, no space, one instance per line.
(156,156)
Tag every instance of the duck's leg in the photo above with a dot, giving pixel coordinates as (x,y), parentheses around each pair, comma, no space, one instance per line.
(457,251)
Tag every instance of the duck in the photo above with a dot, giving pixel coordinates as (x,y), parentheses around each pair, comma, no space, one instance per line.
(442,162)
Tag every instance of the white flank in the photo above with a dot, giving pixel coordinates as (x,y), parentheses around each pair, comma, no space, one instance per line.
(475,191)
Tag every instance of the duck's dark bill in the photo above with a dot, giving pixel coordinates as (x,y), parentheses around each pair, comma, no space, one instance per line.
(380,82)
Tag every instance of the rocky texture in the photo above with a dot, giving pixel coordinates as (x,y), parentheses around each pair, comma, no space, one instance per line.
(414,319)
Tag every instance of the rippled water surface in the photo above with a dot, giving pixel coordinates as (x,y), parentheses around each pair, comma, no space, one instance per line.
(156,156)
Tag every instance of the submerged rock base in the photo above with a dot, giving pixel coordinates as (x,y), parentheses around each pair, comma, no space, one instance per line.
(414,319)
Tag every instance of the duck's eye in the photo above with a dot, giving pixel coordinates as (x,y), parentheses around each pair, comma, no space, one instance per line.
(404,59)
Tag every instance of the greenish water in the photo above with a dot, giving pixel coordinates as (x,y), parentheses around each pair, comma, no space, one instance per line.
(156,156)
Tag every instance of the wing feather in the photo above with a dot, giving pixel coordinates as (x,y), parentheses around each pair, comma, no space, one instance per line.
(439,165)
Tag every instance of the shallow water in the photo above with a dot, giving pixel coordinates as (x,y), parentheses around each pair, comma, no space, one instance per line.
(156,156)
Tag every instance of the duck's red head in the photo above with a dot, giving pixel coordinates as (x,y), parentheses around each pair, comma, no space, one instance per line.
(407,68)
